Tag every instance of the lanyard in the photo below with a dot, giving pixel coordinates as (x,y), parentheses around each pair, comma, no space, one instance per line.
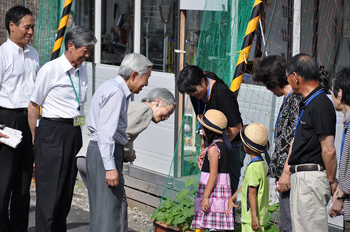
(205,105)
(259,158)
(279,112)
(78,99)
(306,103)
(343,140)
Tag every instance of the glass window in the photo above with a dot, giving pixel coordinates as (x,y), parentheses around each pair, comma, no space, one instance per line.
(158,33)
(117,30)
(83,15)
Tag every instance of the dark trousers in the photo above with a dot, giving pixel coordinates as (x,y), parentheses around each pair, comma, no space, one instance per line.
(56,145)
(105,201)
(16,167)
(346,226)
(285,220)
(236,159)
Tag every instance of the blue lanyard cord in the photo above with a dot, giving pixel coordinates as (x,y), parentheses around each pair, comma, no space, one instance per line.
(76,95)
(343,140)
(306,103)
(205,105)
(256,159)
(279,112)
(259,158)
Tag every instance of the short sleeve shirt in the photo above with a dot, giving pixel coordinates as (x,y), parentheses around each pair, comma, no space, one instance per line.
(18,69)
(255,176)
(222,99)
(319,118)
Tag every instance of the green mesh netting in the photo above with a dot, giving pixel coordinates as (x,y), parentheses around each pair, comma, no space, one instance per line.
(221,36)
(49,15)
(46,28)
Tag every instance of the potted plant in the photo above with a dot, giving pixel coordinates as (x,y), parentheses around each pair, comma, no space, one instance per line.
(176,215)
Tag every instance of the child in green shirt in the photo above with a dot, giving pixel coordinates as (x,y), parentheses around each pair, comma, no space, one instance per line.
(255,187)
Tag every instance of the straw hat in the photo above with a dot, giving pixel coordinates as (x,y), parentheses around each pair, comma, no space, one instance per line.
(214,120)
(255,137)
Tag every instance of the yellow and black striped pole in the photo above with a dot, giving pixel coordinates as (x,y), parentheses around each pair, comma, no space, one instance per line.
(246,46)
(61,29)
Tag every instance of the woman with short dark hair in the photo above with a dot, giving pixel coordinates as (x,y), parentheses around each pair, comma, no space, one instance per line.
(271,72)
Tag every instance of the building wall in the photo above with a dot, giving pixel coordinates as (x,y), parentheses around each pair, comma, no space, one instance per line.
(33,5)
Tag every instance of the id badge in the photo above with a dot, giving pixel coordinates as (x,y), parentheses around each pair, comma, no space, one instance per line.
(79,120)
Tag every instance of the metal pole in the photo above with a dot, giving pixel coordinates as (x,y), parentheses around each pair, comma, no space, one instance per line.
(61,29)
(296,27)
(246,46)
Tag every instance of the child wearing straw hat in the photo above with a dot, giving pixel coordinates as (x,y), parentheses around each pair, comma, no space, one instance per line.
(255,187)
(214,188)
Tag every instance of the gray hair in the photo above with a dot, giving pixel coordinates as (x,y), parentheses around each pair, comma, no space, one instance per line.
(134,62)
(79,36)
(162,93)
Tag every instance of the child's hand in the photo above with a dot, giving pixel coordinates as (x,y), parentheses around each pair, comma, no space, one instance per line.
(205,204)
(255,223)
(230,205)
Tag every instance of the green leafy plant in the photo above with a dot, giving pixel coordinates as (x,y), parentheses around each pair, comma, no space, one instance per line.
(271,224)
(178,212)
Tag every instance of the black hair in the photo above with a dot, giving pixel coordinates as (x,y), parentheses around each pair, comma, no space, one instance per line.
(341,81)
(15,14)
(210,136)
(192,75)
(271,72)
(303,65)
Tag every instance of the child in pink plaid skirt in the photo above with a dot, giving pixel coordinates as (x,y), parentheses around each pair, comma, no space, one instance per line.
(214,188)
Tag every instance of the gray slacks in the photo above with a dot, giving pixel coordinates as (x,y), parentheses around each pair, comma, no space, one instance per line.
(285,220)
(105,201)
(81,164)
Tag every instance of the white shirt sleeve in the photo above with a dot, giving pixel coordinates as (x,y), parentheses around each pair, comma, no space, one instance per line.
(2,68)
(42,86)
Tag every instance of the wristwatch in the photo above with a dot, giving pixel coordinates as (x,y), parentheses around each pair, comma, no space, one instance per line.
(338,197)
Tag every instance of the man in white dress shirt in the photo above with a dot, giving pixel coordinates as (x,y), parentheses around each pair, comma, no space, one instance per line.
(107,122)
(60,89)
(19,64)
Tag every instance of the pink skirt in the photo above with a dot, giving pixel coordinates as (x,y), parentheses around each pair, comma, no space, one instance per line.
(215,217)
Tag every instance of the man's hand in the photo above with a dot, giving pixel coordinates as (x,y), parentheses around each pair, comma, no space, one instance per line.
(255,223)
(131,157)
(3,135)
(112,178)
(284,182)
(337,205)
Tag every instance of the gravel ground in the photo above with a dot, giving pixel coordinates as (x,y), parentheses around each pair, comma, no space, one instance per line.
(138,220)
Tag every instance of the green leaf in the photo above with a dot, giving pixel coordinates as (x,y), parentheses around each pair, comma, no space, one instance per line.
(182,193)
(185,202)
(273,208)
(169,221)
(189,181)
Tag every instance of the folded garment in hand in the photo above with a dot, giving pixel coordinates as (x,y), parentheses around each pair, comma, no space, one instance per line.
(15,137)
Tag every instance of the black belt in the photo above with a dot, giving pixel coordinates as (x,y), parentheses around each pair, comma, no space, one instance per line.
(305,168)
(61,120)
(18,110)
